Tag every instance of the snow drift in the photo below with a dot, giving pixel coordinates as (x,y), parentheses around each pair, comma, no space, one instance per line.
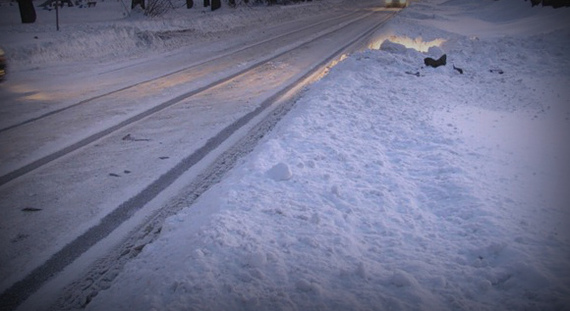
(392,186)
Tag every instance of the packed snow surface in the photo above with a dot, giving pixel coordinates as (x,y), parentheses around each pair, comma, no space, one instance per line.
(392,186)
(112,31)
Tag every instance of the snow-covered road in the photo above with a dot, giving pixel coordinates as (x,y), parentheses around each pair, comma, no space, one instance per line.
(388,186)
(138,139)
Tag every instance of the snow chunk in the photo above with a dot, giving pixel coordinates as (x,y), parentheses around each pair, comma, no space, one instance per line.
(256,260)
(392,47)
(402,279)
(306,286)
(280,172)
(435,51)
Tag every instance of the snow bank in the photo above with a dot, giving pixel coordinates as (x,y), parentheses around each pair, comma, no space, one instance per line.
(391,186)
(111,32)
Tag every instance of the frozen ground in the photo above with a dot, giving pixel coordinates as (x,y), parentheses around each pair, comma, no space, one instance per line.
(385,190)
(390,186)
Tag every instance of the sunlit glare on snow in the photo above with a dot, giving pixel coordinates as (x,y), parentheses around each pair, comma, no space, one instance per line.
(27,92)
(417,44)
(331,65)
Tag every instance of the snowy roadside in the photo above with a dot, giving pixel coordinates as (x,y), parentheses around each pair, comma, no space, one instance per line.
(105,33)
(385,190)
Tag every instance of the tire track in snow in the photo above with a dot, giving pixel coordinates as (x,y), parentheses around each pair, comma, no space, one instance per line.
(160,107)
(207,61)
(23,289)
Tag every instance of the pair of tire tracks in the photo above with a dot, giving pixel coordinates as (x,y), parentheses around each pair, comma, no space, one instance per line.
(104,273)
(6,178)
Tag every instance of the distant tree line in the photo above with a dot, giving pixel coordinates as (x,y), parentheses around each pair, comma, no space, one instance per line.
(272,2)
(235,3)
(552,3)
(159,7)
(155,8)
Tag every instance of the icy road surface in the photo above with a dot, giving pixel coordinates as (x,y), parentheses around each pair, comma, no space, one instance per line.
(74,171)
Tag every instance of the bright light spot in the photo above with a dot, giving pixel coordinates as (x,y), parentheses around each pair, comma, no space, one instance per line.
(336,61)
(331,65)
(27,92)
(417,44)
(381,9)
